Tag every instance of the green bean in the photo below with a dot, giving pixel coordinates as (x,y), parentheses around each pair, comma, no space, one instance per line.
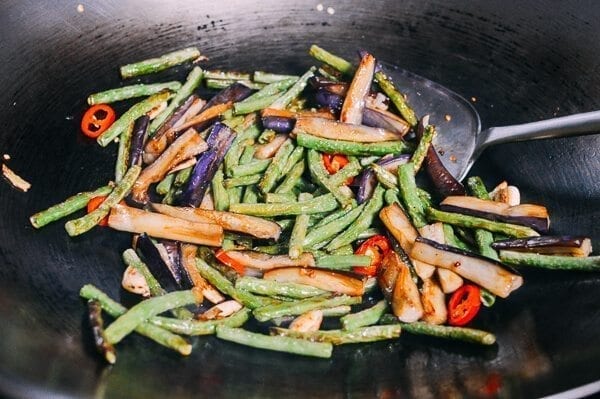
(157,334)
(183,176)
(242,181)
(227,75)
(331,217)
(472,222)
(340,337)
(365,317)
(272,89)
(349,171)
(343,250)
(366,161)
(67,207)
(477,188)
(452,240)
(251,195)
(257,166)
(410,196)
(87,222)
(191,83)
(169,198)
(226,287)
(146,309)
(324,233)
(279,344)
(232,121)
(278,198)
(266,136)
(201,327)
(276,249)
(336,62)
(321,176)
(165,184)
(361,223)
(131,115)
(266,77)
(421,151)
(556,262)
(232,157)
(342,262)
(392,196)
(323,203)
(336,311)
(352,148)
(457,333)
(397,98)
(286,224)
(483,238)
(302,306)
(368,233)
(286,98)
(133,91)
(163,62)
(387,179)
(296,243)
(487,298)
(292,178)
(296,156)
(248,153)
(219,84)
(273,173)
(245,107)
(235,195)
(425,197)
(274,288)
(329,73)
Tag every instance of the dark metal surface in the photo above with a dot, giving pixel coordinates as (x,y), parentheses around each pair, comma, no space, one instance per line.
(517,61)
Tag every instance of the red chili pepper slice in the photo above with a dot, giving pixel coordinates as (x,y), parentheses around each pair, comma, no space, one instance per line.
(334,163)
(376,247)
(464,305)
(97,119)
(93,204)
(222,256)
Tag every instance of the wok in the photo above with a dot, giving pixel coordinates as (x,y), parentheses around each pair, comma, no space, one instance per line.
(517,62)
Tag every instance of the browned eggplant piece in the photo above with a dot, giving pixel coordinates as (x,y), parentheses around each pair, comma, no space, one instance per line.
(330,280)
(105,348)
(434,302)
(354,103)
(167,274)
(488,273)
(534,216)
(262,261)
(330,129)
(399,225)
(553,245)
(188,262)
(399,288)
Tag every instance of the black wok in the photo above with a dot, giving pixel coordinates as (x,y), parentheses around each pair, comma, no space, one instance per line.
(518,61)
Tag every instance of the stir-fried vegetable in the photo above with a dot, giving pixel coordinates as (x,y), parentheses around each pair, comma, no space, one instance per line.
(258,206)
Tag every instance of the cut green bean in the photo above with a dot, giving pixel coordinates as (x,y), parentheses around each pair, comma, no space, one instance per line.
(331,217)
(266,77)
(487,298)
(96,323)
(272,89)
(67,207)
(410,196)
(227,75)
(146,309)
(319,236)
(346,250)
(274,288)
(246,106)
(248,153)
(296,244)
(191,83)
(392,196)
(266,136)
(276,249)
(332,60)
(133,91)
(352,148)
(323,203)
(336,311)
(226,287)
(365,317)
(368,233)
(220,84)
(456,333)
(251,195)
(472,222)
(452,240)
(483,238)
(200,327)
(278,198)
(387,179)
(342,262)
(183,176)
(252,168)
(286,98)
(477,188)
(131,115)
(292,178)
(87,222)
(361,223)
(273,173)
(296,156)
(157,334)
(397,98)
(242,181)
(321,176)
(348,172)
(279,344)
(341,337)
(556,262)
(421,151)
(163,62)
(165,184)
(302,306)
(366,161)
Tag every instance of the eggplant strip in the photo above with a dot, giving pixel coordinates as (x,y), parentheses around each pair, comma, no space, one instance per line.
(329,129)
(261,261)
(325,279)
(354,104)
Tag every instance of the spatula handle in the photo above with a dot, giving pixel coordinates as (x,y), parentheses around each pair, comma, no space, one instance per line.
(588,122)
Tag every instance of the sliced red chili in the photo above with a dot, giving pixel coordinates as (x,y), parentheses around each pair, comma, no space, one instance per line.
(93,204)
(222,256)
(97,119)
(376,247)
(464,305)
(334,163)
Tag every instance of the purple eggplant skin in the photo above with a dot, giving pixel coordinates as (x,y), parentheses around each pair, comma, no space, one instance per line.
(374,118)
(391,163)
(329,100)
(174,254)
(219,141)
(279,124)
(366,185)
(541,241)
(157,266)
(541,225)
(140,128)
(176,116)
(235,92)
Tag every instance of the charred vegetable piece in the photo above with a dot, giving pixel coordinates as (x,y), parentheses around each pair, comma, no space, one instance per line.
(399,288)
(550,245)
(104,347)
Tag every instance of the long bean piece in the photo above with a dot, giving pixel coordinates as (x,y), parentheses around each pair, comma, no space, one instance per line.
(87,222)
(67,207)
(410,196)
(165,61)
(122,163)
(279,344)
(133,91)
(256,166)
(589,263)
(274,288)
(320,174)
(292,178)
(421,151)
(342,262)
(330,59)
(296,243)
(397,98)
(302,306)
(266,77)
(219,193)
(365,317)
(483,238)
(273,172)
(320,204)
(286,98)
(341,337)
(200,327)
(296,156)
(352,148)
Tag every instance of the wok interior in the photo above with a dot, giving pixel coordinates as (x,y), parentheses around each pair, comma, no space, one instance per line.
(516,62)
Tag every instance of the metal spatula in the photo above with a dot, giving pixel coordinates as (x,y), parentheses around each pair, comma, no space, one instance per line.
(460,139)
